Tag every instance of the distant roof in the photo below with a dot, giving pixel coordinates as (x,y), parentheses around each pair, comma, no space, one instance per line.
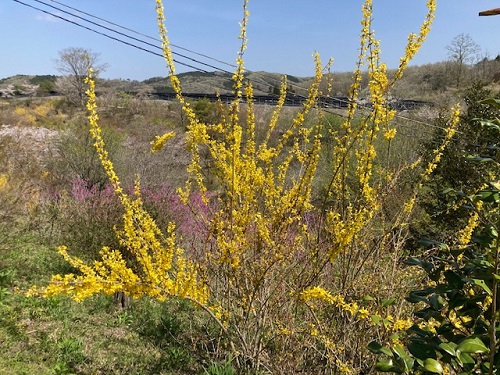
(490,12)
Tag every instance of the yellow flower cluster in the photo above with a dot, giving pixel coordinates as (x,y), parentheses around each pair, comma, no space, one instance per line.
(449,133)
(160,141)
(333,349)
(25,116)
(416,41)
(4,178)
(162,271)
(345,229)
(465,234)
(354,144)
(258,229)
(431,166)
(361,313)
(458,321)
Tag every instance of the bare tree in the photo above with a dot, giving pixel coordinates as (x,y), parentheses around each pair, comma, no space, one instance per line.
(74,63)
(462,52)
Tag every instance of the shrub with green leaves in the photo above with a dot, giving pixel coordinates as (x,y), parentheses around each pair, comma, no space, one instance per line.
(456,170)
(456,325)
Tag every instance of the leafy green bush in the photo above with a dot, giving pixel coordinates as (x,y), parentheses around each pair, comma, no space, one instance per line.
(456,327)
(455,170)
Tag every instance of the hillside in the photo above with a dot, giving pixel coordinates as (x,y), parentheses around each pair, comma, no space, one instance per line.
(427,82)
(192,82)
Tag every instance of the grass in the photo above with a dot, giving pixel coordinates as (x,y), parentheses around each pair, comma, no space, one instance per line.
(59,336)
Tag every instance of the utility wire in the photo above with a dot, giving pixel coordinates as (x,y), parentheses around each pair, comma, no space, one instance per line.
(276,80)
(106,35)
(141,41)
(155,39)
(144,35)
(130,37)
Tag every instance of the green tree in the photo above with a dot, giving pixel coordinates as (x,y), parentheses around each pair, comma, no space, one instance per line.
(456,324)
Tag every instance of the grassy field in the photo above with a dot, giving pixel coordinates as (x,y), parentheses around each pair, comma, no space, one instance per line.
(97,336)
(42,149)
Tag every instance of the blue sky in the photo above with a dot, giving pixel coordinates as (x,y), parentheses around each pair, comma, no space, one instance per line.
(283,34)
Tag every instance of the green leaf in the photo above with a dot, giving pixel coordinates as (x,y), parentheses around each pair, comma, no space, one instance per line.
(482,284)
(488,195)
(421,350)
(433,366)
(388,302)
(428,313)
(472,345)
(413,261)
(405,360)
(464,358)
(399,351)
(493,231)
(454,279)
(485,367)
(491,101)
(449,347)
(478,158)
(448,190)
(376,319)
(377,348)
(385,366)
(434,302)
(415,297)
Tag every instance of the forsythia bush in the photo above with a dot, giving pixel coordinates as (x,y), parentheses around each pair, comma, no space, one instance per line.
(289,276)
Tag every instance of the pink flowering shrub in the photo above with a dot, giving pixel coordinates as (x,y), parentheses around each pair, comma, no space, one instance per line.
(84,216)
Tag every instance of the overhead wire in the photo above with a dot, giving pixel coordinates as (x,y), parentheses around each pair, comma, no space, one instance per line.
(144,35)
(106,35)
(130,37)
(268,77)
(156,39)
(141,41)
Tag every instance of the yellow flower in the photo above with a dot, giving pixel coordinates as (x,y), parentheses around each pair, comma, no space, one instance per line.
(390,134)
(363,313)
(159,141)
(400,325)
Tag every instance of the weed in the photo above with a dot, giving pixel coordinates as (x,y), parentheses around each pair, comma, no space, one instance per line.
(225,368)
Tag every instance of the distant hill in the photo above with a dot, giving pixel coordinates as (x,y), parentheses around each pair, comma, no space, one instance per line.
(208,83)
(427,82)
(193,82)
(21,79)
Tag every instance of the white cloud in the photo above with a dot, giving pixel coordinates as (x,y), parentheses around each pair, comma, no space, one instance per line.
(43,17)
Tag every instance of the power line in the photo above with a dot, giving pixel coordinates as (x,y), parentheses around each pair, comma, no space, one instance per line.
(105,35)
(176,61)
(136,39)
(156,39)
(144,35)
(130,37)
